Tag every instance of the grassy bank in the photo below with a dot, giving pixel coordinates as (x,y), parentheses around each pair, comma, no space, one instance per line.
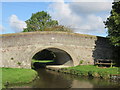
(17,75)
(93,71)
(42,61)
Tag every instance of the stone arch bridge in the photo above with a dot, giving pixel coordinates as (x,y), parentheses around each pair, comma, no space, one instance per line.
(70,49)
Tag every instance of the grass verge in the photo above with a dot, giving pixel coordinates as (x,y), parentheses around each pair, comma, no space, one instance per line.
(0,78)
(42,61)
(17,75)
(93,71)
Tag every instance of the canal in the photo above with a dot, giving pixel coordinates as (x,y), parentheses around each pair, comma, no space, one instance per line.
(52,79)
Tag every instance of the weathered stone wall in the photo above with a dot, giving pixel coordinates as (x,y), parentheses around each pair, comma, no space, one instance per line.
(19,48)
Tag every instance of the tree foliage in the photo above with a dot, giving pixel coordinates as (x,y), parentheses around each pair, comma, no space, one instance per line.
(58,28)
(39,21)
(113,24)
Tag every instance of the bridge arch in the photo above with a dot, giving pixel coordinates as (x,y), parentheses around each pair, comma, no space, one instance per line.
(60,56)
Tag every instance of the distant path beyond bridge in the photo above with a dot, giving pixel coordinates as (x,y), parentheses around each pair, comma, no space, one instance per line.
(70,49)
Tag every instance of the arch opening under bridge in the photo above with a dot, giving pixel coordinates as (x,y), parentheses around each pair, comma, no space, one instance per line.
(51,56)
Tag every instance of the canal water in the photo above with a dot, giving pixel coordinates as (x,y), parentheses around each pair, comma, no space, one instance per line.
(52,79)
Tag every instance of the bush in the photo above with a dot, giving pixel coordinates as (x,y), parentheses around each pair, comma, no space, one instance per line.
(104,75)
(81,62)
(95,74)
(90,73)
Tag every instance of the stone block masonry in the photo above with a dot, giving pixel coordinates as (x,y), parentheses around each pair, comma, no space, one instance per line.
(19,48)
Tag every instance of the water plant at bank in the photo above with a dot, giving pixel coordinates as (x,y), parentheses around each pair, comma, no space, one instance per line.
(92,71)
(12,76)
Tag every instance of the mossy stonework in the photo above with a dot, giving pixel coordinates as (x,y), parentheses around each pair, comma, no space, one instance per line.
(21,47)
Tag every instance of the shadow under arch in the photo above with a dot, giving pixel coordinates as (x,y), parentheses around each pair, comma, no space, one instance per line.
(58,56)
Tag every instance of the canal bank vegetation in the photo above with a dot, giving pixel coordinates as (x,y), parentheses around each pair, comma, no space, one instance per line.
(92,71)
(42,61)
(36,64)
(12,76)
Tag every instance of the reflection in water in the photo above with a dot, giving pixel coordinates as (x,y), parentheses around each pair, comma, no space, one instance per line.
(51,79)
(83,84)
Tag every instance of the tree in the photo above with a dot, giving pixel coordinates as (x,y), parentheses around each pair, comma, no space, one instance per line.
(113,24)
(58,28)
(39,21)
